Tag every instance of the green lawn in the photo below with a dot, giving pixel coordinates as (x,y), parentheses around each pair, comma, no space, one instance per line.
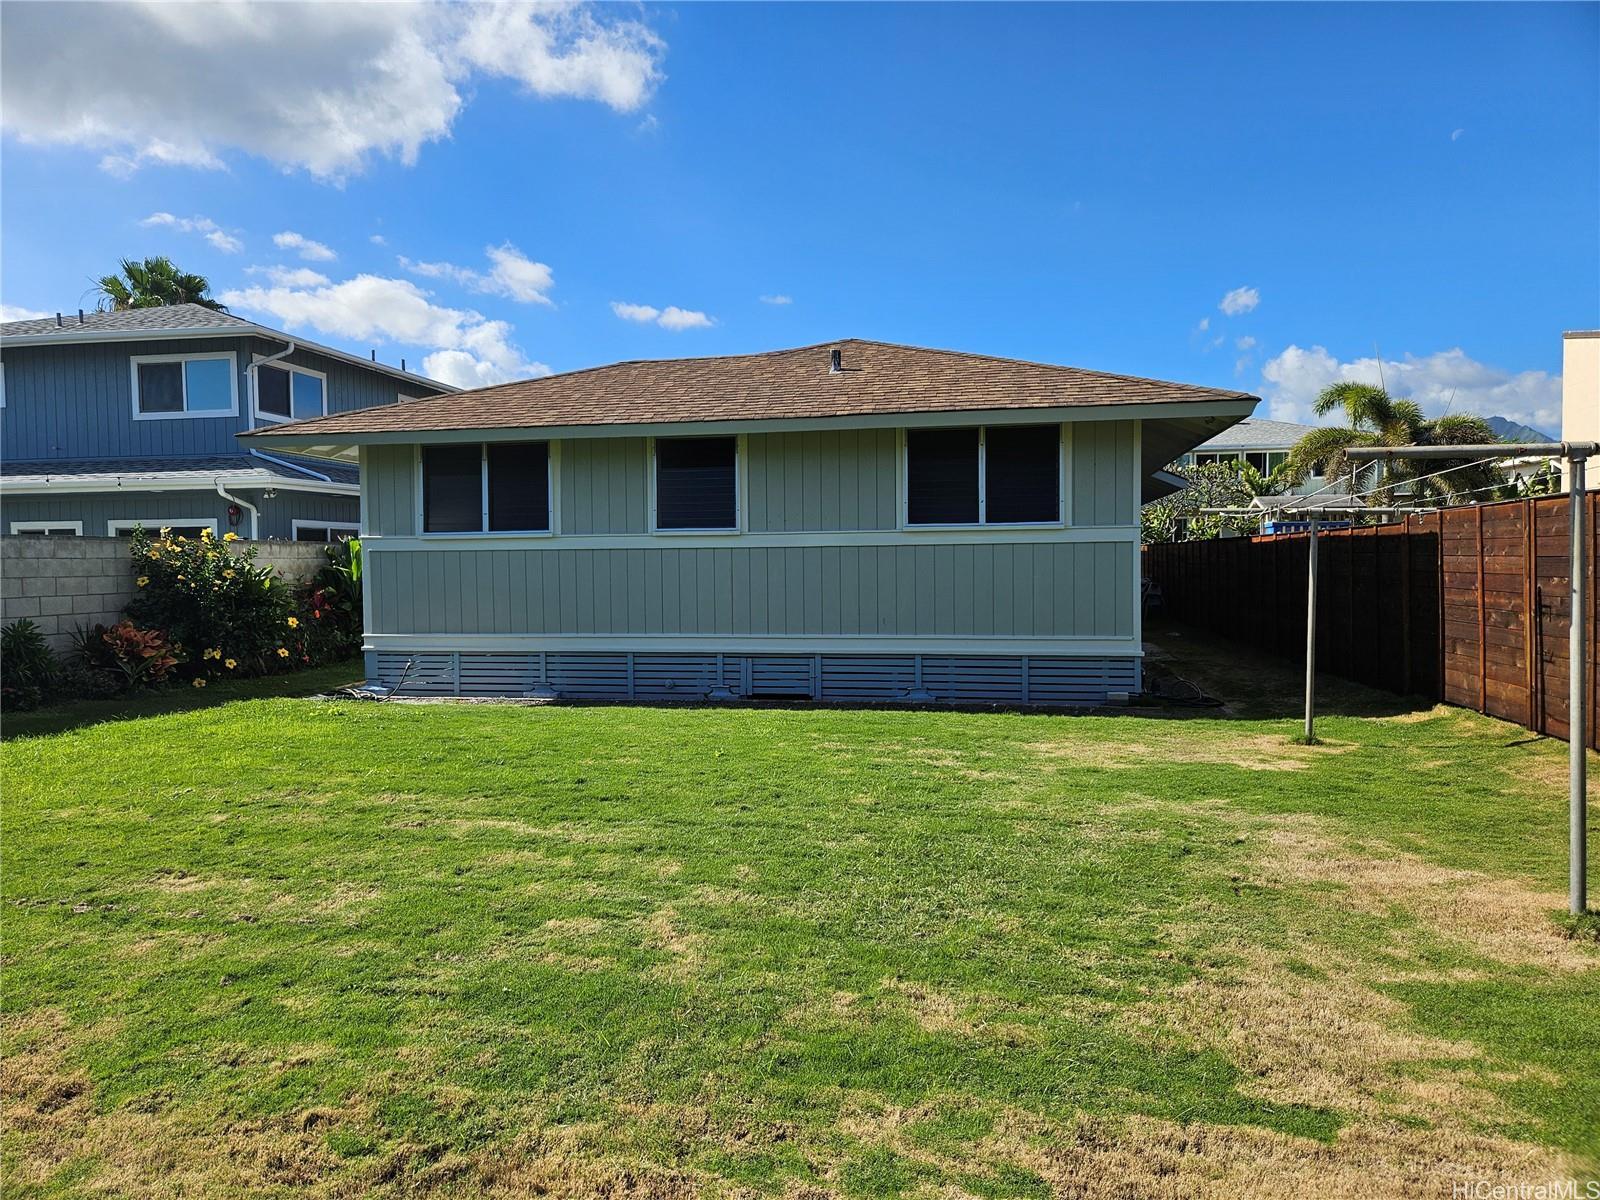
(289,947)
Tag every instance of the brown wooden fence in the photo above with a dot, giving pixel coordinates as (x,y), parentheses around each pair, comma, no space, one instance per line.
(1468,605)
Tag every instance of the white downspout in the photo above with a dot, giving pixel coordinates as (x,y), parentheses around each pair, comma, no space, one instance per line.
(255,516)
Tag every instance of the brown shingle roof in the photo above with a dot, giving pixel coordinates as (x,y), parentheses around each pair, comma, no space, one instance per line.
(878,378)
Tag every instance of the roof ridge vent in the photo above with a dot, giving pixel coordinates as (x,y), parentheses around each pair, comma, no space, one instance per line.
(835,361)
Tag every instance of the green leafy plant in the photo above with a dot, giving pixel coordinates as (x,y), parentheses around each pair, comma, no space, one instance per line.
(1180,517)
(28,668)
(331,604)
(152,283)
(135,657)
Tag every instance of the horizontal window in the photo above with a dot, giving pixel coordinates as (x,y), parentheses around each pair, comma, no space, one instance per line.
(177,385)
(697,483)
(48,528)
(285,393)
(1007,475)
(308,531)
(501,488)
(186,527)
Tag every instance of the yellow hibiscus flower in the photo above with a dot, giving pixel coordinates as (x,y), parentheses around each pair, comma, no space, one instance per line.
(199,683)
(230,536)
(228,574)
(142,580)
(283,652)
(229,663)
(294,622)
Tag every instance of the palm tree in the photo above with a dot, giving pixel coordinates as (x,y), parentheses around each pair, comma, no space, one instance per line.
(1377,419)
(152,283)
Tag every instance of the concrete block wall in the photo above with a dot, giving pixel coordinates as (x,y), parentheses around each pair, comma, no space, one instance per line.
(60,583)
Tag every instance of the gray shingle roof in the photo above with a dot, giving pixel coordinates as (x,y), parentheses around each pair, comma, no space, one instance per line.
(875,378)
(1253,434)
(166,319)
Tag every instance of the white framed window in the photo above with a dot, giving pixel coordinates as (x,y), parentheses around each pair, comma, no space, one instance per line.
(177,386)
(696,484)
(323,531)
(486,487)
(288,393)
(180,526)
(49,528)
(975,476)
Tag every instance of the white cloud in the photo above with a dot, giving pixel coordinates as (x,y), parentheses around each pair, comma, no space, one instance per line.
(634,312)
(14,312)
(378,239)
(329,87)
(1448,380)
(670,318)
(291,277)
(678,319)
(1240,300)
(778,299)
(1205,324)
(511,274)
(1455,134)
(467,349)
(204,226)
(304,246)
(1245,343)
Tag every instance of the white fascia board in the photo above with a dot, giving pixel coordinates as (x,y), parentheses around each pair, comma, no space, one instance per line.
(283,436)
(228,331)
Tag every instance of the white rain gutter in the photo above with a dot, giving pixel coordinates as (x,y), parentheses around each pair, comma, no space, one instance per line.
(293,466)
(255,515)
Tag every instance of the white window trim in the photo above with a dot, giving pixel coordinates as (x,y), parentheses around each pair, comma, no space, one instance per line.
(553,493)
(155,525)
(46,526)
(354,530)
(136,360)
(1063,488)
(740,484)
(274,418)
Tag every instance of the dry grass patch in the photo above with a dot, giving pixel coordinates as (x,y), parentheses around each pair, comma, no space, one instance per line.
(1499,918)
(1248,751)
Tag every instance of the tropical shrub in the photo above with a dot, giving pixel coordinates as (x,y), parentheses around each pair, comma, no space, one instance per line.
(226,615)
(134,657)
(330,605)
(28,669)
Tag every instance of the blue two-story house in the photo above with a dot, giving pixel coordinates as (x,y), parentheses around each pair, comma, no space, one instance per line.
(110,420)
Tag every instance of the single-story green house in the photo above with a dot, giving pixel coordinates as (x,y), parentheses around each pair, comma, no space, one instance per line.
(849,521)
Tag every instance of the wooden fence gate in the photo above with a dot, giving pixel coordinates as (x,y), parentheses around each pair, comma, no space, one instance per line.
(1468,605)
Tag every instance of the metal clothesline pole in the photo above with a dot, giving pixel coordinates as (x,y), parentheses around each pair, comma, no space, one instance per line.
(1577,455)
(1311,633)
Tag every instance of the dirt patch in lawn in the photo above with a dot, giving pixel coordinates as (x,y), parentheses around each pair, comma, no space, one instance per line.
(1250,752)
(685,949)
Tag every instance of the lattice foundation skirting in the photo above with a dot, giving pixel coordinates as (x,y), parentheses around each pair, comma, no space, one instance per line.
(920,678)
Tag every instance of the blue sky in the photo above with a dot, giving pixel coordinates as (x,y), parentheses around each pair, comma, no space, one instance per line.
(1080,184)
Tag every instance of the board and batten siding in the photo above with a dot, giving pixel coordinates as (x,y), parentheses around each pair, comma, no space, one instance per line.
(1050,589)
(810,482)
(782,577)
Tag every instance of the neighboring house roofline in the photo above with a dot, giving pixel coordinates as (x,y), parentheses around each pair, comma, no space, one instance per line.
(170,481)
(79,335)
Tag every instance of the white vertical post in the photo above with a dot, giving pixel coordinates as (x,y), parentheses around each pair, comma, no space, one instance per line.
(1311,633)
(1577,693)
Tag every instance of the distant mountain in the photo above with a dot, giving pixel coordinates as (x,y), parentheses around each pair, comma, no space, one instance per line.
(1514,431)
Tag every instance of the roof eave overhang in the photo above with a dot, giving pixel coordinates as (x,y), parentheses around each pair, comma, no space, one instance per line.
(329,441)
(29,485)
(74,338)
